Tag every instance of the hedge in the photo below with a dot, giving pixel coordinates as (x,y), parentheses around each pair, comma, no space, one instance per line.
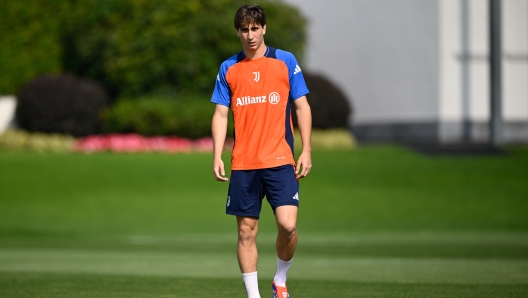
(30,42)
(19,140)
(151,116)
(133,47)
(61,104)
(330,106)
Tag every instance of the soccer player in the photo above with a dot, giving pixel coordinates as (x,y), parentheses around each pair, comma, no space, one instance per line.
(261,85)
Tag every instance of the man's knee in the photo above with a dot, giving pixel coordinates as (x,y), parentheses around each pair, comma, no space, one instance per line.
(287,220)
(247,229)
(288,229)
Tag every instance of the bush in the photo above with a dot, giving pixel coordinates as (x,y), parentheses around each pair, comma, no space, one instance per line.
(39,142)
(132,47)
(189,118)
(330,107)
(29,41)
(60,104)
(328,139)
(159,46)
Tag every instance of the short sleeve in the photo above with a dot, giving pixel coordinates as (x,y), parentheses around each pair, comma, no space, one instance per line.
(298,86)
(222,93)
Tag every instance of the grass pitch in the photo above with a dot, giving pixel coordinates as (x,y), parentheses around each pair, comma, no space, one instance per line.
(374,222)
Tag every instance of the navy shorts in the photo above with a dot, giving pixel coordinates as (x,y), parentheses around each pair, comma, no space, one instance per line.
(247,188)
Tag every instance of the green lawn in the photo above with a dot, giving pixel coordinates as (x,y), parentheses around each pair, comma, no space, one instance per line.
(374,222)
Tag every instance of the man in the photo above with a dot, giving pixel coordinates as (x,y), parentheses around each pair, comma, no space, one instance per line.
(261,85)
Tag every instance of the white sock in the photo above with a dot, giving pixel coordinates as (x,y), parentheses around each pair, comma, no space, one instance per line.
(251,283)
(282,271)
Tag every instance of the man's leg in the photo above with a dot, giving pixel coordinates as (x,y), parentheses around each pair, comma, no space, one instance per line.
(247,253)
(286,217)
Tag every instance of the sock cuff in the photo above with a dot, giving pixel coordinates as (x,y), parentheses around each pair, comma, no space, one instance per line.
(249,274)
(285,261)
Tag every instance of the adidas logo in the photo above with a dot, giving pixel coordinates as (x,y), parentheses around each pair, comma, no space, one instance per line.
(297,69)
(296,196)
(228,201)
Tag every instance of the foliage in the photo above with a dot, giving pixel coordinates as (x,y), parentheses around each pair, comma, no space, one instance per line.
(132,47)
(328,139)
(330,106)
(60,104)
(285,28)
(18,140)
(29,41)
(150,116)
(134,143)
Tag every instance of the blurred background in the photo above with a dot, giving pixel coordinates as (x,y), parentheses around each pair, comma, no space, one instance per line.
(405,71)
(105,148)
(420,70)
(82,68)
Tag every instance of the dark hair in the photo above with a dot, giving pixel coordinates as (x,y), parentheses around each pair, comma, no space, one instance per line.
(248,14)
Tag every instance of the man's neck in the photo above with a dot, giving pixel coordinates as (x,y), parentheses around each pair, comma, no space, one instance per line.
(259,52)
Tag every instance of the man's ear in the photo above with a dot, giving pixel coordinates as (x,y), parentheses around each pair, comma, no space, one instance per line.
(264,29)
(237,33)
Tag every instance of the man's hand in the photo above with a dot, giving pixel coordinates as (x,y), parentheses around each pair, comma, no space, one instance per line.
(218,170)
(304,122)
(304,165)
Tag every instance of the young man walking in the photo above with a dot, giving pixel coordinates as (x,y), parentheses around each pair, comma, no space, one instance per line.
(261,85)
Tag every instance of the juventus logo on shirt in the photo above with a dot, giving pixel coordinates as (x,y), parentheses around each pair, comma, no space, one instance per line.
(257,76)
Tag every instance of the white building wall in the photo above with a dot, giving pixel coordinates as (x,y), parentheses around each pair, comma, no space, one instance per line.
(515,63)
(464,87)
(450,77)
(411,70)
(383,53)
(479,103)
(7,112)
(466,95)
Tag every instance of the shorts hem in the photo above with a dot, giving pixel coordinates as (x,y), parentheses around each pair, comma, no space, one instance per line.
(285,204)
(243,214)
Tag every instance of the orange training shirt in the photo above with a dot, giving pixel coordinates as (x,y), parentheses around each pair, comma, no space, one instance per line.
(260,93)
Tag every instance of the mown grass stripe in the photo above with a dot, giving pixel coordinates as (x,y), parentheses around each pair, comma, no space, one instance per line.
(188,264)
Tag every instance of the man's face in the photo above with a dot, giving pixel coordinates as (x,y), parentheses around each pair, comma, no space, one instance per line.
(251,36)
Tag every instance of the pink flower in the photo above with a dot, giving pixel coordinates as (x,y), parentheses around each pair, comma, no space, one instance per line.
(176,144)
(138,143)
(204,144)
(91,144)
(127,143)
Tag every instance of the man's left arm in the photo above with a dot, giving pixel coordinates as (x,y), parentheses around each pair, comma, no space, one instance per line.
(304,122)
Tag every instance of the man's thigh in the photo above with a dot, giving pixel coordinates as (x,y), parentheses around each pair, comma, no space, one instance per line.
(280,186)
(245,193)
(286,217)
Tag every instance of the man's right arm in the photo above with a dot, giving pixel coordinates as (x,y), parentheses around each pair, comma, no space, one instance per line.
(219,130)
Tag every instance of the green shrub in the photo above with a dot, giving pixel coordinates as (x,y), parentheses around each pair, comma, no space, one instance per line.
(328,139)
(133,47)
(60,104)
(38,142)
(159,46)
(330,106)
(189,117)
(30,41)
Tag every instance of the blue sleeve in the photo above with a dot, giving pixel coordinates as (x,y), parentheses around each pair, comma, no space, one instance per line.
(298,86)
(222,92)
